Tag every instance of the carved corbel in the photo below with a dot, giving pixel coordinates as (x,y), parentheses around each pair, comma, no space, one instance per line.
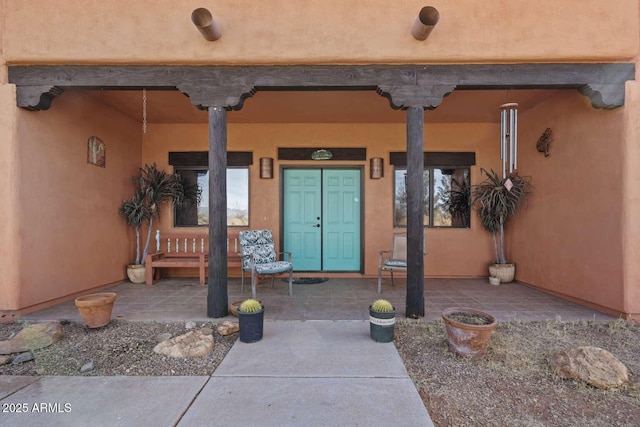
(229,97)
(427,97)
(604,95)
(36,98)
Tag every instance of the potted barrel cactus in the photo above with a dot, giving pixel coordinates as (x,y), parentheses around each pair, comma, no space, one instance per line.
(251,320)
(382,320)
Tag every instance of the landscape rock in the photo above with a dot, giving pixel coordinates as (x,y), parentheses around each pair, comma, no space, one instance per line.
(163,337)
(191,344)
(228,328)
(22,358)
(33,337)
(5,360)
(207,331)
(87,367)
(592,365)
(190,325)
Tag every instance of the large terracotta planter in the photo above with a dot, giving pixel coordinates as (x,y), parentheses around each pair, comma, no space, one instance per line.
(465,338)
(95,309)
(136,273)
(505,272)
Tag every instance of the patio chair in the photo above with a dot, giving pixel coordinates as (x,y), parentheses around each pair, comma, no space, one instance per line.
(397,258)
(259,256)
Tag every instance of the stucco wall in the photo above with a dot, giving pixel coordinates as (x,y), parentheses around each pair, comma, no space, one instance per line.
(9,235)
(569,240)
(446,246)
(331,31)
(67,234)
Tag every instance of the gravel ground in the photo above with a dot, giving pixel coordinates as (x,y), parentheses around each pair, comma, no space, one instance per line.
(120,348)
(511,386)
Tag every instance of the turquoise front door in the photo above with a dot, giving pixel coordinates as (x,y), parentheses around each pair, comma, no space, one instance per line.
(322,219)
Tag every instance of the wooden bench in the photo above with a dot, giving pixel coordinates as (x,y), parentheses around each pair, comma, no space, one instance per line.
(186,251)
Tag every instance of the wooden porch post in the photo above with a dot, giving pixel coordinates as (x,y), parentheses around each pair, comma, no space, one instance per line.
(217,298)
(415,212)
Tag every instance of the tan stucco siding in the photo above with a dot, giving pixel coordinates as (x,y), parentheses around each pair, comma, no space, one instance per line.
(70,237)
(569,240)
(446,246)
(332,31)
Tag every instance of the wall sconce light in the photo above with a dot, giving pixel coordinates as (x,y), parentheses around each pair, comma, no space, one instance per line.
(425,23)
(376,167)
(266,167)
(204,22)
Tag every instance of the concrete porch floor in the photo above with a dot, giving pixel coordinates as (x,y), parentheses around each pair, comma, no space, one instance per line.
(337,299)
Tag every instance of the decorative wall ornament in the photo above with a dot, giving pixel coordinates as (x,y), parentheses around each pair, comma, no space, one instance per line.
(544,142)
(321,155)
(96,152)
(266,167)
(376,168)
(509,137)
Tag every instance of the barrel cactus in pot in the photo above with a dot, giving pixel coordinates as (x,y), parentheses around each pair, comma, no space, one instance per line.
(382,320)
(251,320)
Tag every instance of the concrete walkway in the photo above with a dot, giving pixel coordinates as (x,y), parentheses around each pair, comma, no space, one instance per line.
(302,373)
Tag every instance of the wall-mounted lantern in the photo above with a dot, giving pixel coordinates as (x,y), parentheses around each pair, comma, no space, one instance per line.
(266,167)
(376,168)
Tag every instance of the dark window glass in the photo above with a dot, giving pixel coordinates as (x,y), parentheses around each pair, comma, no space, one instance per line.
(446,197)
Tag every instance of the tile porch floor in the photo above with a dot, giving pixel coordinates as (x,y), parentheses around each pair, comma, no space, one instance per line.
(337,299)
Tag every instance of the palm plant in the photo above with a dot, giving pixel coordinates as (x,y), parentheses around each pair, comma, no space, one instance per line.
(496,200)
(153,188)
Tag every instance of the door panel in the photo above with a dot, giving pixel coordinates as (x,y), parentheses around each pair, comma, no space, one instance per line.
(341,224)
(322,219)
(302,208)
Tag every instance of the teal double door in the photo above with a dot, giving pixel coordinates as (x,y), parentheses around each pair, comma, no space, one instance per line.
(321,218)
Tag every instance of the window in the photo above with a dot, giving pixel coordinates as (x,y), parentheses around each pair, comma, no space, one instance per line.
(237,198)
(446,197)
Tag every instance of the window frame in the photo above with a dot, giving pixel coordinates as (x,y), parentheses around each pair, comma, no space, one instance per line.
(429,198)
(178,169)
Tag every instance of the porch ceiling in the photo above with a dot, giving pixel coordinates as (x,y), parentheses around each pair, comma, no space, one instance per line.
(462,106)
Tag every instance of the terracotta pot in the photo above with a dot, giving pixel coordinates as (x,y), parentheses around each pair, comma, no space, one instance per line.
(95,309)
(506,272)
(465,339)
(136,273)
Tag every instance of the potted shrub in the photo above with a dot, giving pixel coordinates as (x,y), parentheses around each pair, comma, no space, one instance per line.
(153,188)
(496,200)
(251,320)
(382,320)
(468,330)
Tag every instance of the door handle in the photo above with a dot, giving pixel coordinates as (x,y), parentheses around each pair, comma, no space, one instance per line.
(317,225)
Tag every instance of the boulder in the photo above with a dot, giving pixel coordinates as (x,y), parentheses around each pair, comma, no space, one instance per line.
(592,365)
(191,344)
(5,360)
(228,328)
(33,337)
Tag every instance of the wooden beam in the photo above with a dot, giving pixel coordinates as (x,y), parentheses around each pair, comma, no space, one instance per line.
(217,296)
(233,84)
(415,212)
